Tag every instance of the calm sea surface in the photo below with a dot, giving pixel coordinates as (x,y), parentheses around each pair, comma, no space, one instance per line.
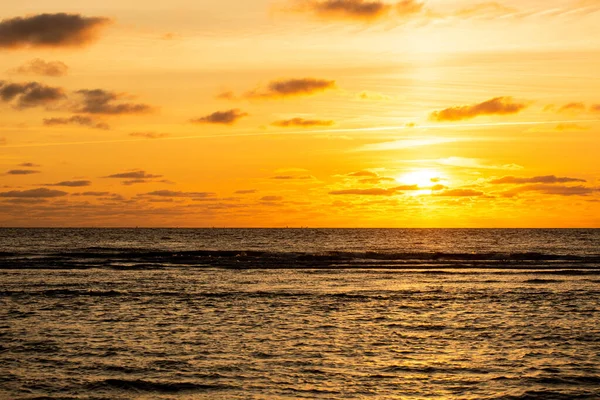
(299,313)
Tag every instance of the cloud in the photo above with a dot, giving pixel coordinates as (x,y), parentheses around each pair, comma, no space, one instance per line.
(149,135)
(76,120)
(364,10)
(487,9)
(536,179)
(22,172)
(249,191)
(50,30)
(170,193)
(2,141)
(41,193)
(459,193)
(301,122)
(495,106)
(133,175)
(228,117)
(292,87)
(374,191)
(474,163)
(377,180)
(99,101)
(94,194)
(71,183)
(373,96)
(409,7)
(293,177)
(29,165)
(271,198)
(30,94)
(38,66)
(364,173)
(558,190)
(595,108)
(572,107)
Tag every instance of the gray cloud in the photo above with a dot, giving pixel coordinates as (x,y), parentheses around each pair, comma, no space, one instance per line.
(347,9)
(50,30)
(271,198)
(171,193)
(80,183)
(301,122)
(38,66)
(292,87)
(30,94)
(495,106)
(22,172)
(92,194)
(29,165)
(558,190)
(535,179)
(149,135)
(33,193)
(249,191)
(99,101)
(76,120)
(133,175)
(228,117)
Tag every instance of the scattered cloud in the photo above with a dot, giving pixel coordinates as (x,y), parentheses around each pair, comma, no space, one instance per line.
(99,101)
(133,175)
(536,179)
(22,172)
(558,190)
(364,173)
(79,183)
(170,193)
(33,193)
(377,180)
(459,193)
(30,94)
(271,198)
(226,95)
(149,135)
(495,106)
(365,192)
(362,10)
(29,165)
(570,127)
(572,107)
(292,87)
(228,117)
(248,191)
(92,194)
(50,30)
(301,122)
(38,66)
(76,120)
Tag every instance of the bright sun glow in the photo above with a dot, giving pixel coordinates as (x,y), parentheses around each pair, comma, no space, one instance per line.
(422,177)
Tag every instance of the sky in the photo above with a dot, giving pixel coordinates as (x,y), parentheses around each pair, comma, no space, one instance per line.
(300,113)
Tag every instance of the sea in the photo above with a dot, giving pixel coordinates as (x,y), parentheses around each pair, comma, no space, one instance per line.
(300,314)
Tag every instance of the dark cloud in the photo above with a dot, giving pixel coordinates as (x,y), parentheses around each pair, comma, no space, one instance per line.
(535,179)
(364,173)
(22,172)
(76,120)
(149,135)
(366,10)
(38,66)
(301,122)
(99,101)
(34,193)
(292,87)
(30,94)
(170,193)
(250,191)
(49,30)
(92,194)
(271,198)
(460,193)
(558,190)
(495,106)
(228,117)
(29,165)
(71,183)
(135,181)
(133,175)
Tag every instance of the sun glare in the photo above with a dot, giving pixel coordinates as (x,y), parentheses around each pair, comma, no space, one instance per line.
(422,177)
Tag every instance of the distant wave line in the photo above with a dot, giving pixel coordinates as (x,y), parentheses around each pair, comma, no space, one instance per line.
(299,132)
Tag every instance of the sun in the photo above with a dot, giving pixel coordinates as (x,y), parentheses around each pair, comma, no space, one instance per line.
(422,177)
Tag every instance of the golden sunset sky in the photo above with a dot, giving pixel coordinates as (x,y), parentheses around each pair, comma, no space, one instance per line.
(320,113)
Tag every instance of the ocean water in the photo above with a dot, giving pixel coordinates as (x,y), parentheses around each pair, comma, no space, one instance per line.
(299,313)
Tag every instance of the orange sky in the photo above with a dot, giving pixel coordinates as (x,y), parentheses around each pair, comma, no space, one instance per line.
(324,113)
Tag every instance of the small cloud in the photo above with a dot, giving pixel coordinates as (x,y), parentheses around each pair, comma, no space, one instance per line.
(406,8)
(22,172)
(439,187)
(572,107)
(373,96)
(29,165)
(134,175)
(171,193)
(377,180)
(292,87)
(570,127)
(495,106)
(92,194)
(50,30)
(221,117)
(595,108)
(34,193)
(361,10)
(487,9)
(135,182)
(558,190)
(71,183)
(301,122)
(76,120)
(271,198)
(227,95)
(169,36)
(460,193)
(30,94)
(149,135)
(536,179)
(365,192)
(293,177)
(99,101)
(3,141)
(248,191)
(38,66)
(364,173)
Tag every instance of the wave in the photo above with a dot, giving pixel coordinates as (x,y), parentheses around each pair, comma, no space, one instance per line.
(152,386)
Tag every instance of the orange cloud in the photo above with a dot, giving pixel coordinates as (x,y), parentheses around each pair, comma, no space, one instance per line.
(364,173)
(170,193)
(551,190)
(301,122)
(536,179)
(50,30)
(76,120)
(34,193)
(364,10)
(572,107)
(292,87)
(460,193)
(44,68)
(228,117)
(149,135)
(71,183)
(495,106)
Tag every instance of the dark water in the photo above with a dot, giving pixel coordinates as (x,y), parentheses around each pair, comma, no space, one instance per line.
(286,314)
